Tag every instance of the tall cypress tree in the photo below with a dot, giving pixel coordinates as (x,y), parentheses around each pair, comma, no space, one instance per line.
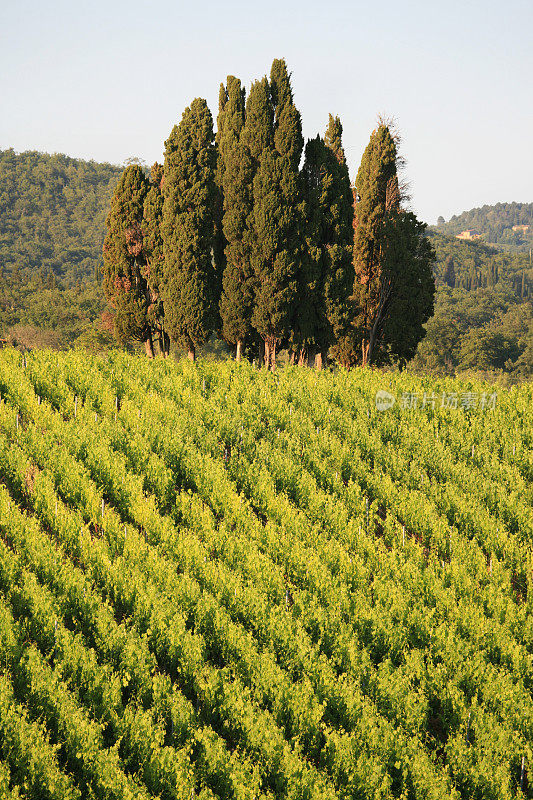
(333,139)
(125,284)
(409,258)
(219,241)
(154,256)
(392,258)
(277,215)
(327,270)
(449,272)
(340,219)
(257,136)
(258,131)
(236,170)
(188,229)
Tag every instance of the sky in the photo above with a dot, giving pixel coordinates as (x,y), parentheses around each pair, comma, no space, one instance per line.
(108,80)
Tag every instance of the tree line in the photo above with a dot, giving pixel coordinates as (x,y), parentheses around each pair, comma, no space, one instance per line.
(235,235)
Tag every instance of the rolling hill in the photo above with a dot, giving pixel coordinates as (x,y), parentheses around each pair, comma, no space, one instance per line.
(508,226)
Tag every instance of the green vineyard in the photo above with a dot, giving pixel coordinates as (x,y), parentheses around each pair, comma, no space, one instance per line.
(219,582)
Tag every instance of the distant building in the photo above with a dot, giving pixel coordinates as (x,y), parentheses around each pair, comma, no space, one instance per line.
(521,228)
(471,235)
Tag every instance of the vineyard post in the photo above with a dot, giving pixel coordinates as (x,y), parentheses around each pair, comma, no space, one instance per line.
(522,773)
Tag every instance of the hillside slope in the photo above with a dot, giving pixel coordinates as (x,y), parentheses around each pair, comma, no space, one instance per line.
(52,214)
(496,224)
(52,226)
(216,582)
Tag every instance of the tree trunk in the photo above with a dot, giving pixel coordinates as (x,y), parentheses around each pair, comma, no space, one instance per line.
(365,347)
(292,357)
(302,358)
(273,356)
(164,343)
(319,360)
(149,346)
(261,359)
(191,351)
(238,354)
(266,355)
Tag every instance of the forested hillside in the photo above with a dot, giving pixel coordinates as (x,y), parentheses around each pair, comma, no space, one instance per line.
(483,312)
(495,224)
(52,214)
(52,226)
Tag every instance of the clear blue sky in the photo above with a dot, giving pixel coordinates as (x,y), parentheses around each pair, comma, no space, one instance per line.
(107,80)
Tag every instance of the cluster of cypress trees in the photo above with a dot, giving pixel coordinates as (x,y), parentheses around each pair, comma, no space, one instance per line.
(235,236)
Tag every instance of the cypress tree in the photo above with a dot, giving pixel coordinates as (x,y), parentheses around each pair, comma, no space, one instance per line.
(327,269)
(189,191)
(256,137)
(154,256)
(392,258)
(125,284)
(449,272)
(236,170)
(333,140)
(258,131)
(219,240)
(277,218)
(409,258)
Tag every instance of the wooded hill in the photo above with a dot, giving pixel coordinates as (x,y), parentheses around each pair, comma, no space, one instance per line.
(52,214)
(52,226)
(483,312)
(495,224)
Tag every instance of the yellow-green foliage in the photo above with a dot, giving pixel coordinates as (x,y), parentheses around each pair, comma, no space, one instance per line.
(216,581)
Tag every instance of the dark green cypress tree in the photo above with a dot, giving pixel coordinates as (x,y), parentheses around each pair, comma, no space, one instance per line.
(333,139)
(449,272)
(322,318)
(309,324)
(258,131)
(392,259)
(256,137)
(189,191)
(154,256)
(125,284)
(236,168)
(409,259)
(219,240)
(277,219)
